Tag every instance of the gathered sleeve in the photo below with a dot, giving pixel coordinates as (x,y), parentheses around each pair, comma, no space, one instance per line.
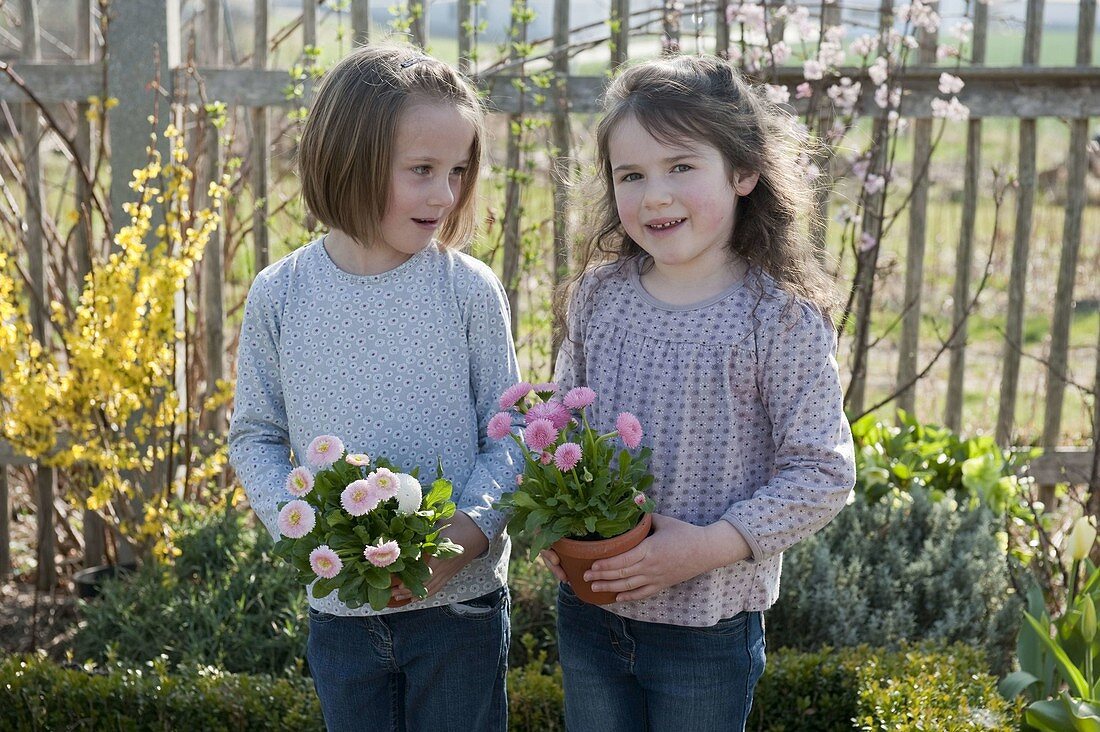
(493,368)
(259,439)
(814,468)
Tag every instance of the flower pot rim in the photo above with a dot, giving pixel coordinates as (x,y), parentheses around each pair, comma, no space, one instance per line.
(595,548)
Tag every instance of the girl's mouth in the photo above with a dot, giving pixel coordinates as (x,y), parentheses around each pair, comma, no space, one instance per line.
(427,222)
(662,225)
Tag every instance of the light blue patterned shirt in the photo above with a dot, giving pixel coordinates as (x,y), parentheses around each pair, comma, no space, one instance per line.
(407,364)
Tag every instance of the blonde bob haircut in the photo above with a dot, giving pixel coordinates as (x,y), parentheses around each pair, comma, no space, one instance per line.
(346,153)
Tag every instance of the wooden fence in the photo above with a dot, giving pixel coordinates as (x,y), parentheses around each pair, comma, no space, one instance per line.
(147,62)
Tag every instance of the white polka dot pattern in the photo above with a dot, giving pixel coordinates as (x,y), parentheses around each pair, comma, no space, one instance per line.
(406,364)
(741,403)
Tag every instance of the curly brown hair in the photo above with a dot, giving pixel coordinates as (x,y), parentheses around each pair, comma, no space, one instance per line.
(704,99)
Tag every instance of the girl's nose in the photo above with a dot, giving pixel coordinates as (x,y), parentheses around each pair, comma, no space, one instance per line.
(656,195)
(444,192)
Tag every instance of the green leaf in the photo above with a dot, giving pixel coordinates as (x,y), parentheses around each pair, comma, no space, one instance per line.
(1073,675)
(1014,684)
(441,491)
(378,597)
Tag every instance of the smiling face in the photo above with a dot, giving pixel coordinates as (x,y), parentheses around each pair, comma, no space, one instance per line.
(431,152)
(675,199)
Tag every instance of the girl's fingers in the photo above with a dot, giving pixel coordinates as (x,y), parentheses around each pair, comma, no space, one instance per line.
(553,563)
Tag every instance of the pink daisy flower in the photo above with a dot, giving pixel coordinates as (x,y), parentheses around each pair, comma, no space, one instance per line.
(382,554)
(579,398)
(513,394)
(384,483)
(324,451)
(358,459)
(540,434)
(558,415)
(299,482)
(500,426)
(324,562)
(296,519)
(567,456)
(359,497)
(548,387)
(639,499)
(629,429)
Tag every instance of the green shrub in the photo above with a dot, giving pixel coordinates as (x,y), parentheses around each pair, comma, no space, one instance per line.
(534,610)
(535,698)
(902,569)
(225,602)
(925,687)
(37,694)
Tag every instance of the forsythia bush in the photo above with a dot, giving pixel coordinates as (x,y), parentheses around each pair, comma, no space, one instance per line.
(100,398)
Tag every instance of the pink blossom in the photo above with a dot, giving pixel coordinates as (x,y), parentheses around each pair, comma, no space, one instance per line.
(567,456)
(296,519)
(324,451)
(550,387)
(500,426)
(950,84)
(383,483)
(382,554)
(812,69)
(867,241)
(580,397)
(299,482)
(953,109)
(803,91)
(513,394)
(324,562)
(359,498)
(629,429)
(639,499)
(777,94)
(554,411)
(546,458)
(358,459)
(519,478)
(540,434)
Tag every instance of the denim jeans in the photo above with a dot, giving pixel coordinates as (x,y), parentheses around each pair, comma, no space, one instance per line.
(629,675)
(439,668)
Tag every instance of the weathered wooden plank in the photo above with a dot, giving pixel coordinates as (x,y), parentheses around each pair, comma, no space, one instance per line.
(1071,465)
(309,23)
(1017,281)
(418,14)
(465,33)
(721,28)
(510,269)
(909,342)
(670,25)
(360,22)
(620,32)
(964,253)
(1069,92)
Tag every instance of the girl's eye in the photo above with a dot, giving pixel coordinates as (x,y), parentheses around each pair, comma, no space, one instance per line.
(458,171)
(422,169)
(681,168)
(630,177)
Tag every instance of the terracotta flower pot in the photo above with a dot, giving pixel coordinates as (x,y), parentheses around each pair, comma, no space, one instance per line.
(577,556)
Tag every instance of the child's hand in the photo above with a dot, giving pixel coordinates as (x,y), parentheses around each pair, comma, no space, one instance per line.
(675,552)
(462,531)
(550,559)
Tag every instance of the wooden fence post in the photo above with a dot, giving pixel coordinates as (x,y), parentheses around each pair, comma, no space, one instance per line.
(360,22)
(620,32)
(213,260)
(964,254)
(670,26)
(1076,166)
(260,135)
(466,33)
(909,345)
(562,165)
(45,478)
(513,213)
(1025,202)
(418,14)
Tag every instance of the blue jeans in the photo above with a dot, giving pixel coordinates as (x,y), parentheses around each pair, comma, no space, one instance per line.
(629,675)
(441,668)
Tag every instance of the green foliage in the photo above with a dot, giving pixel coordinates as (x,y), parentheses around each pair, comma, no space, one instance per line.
(922,687)
(534,610)
(416,532)
(224,602)
(903,569)
(37,694)
(898,459)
